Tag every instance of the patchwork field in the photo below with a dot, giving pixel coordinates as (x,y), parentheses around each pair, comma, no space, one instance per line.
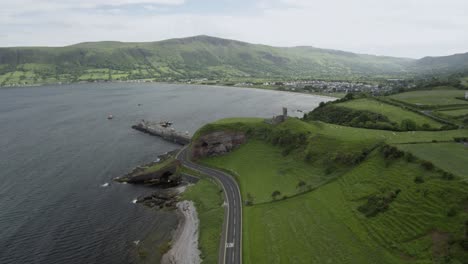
(382,210)
(349,133)
(394,113)
(431,97)
(455,113)
(451,157)
(318,227)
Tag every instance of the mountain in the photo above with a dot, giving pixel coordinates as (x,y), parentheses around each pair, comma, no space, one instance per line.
(445,64)
(193,57)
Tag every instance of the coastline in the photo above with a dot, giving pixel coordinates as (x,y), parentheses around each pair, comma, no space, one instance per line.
(184,244)
(163,82)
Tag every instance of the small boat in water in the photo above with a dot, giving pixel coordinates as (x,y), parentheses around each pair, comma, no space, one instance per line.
(110,117)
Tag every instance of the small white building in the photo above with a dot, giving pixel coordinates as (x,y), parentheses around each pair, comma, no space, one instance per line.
(466,95)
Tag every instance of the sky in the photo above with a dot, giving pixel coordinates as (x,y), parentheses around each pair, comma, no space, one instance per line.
(402,28)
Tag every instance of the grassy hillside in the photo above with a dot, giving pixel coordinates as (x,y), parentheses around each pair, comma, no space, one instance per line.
(378,113)
(431,97)
(323,193)
(444,64)
(194,57)
(394,113)
(451,157)
(455,112)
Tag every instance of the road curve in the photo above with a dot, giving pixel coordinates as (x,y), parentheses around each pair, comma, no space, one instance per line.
(230,251)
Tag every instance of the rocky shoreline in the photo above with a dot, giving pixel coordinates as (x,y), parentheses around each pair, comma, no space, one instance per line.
(168,185)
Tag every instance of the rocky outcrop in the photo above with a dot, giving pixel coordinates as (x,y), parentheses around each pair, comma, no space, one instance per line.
(164,175)
(217,143)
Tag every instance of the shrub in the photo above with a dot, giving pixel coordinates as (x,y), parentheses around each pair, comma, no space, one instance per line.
(301,184)
(391,152)
(409,157)
(275,194)
(418,179)
(460,139)
(250,200)
(464,244)
(448,176)
(452,212)
(408,125)
(427,165)
(426,126)
(377,203)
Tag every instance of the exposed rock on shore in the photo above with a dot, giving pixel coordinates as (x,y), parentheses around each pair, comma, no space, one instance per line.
(217,143)
(185,242)
(165,198)
(162,172)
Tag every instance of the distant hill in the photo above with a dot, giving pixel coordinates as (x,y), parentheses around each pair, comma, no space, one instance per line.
(445,64)
(197,57)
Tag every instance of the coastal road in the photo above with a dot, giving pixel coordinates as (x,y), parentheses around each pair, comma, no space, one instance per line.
(231,245)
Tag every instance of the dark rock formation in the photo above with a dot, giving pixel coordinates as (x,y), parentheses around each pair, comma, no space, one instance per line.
(217,143)
(160,199)
(166,176)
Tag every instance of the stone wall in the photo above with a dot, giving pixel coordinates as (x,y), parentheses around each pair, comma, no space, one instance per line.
(217,143)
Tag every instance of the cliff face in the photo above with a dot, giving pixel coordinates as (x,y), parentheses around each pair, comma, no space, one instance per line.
(217,143)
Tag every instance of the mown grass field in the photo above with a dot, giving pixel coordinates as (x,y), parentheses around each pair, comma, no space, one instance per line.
(324,225)
(431,97)
(464,81)
(394,113)
(208,199)
(318,227)
(261,170)
(451,157)
(352,134)
(455,113)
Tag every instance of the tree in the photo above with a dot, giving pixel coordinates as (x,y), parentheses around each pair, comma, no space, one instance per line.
(250,200)
(408,125)
(301,184)
(275,194)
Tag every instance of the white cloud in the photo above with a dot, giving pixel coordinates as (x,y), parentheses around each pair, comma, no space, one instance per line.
(409,28)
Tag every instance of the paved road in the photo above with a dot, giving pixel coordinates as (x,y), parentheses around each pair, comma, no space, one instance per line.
(231,245)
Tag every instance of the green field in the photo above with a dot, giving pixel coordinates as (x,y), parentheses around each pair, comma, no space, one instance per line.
(431,97)
(261,170)
(318,227)
(455,113)
(394,113)
(322,223)
(451,157)
(208,199)
(349,133)
(464,81)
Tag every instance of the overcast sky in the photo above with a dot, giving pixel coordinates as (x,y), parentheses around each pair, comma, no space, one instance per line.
(405,28)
